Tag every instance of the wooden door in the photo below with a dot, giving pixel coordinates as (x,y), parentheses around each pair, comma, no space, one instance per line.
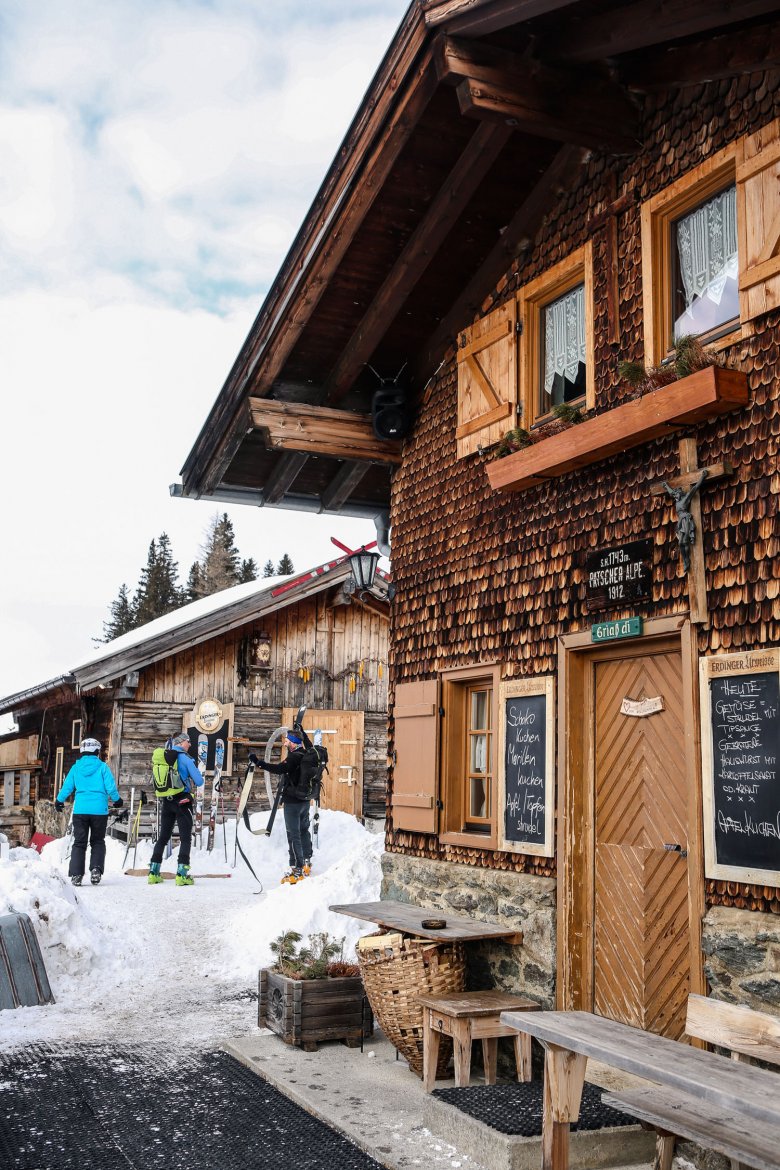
(641,936)
(342,735)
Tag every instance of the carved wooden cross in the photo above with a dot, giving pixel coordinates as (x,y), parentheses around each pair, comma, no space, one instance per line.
(689,474)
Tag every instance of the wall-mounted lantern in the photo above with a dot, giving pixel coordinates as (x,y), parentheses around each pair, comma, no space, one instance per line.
(363,565)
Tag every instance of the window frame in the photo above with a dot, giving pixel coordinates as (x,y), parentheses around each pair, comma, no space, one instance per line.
(75,737)
(658,214)
(457,686)
(59,768)
(532,298)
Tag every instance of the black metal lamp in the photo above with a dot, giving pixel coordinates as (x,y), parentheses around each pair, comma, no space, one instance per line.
(363,565)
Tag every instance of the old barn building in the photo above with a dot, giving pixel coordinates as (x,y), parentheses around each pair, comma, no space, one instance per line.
(534,204)
(253,654)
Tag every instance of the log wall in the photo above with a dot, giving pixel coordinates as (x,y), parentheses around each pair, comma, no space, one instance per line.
(492,576)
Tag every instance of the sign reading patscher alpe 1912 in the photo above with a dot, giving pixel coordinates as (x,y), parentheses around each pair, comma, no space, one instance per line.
(617,576)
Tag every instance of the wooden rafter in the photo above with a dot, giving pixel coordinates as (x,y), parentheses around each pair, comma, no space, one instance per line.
(461,183)
(559,176)
(222,457)
(317,430)
(710,59)
(480,17)
(629,27)
(283,476)
(342,485)
(581,107)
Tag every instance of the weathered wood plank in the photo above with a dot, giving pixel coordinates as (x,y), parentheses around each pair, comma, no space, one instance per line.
(407,918)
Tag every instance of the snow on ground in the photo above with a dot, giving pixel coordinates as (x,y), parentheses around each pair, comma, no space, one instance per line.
(164,964)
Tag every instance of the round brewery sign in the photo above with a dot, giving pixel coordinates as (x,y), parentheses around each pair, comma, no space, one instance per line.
(208,715)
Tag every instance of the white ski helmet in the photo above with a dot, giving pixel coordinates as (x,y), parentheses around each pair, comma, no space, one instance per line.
(89,745)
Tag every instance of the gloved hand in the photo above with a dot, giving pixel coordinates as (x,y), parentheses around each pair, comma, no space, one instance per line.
(254,759)
(59,805)
(298,729)
(118,803)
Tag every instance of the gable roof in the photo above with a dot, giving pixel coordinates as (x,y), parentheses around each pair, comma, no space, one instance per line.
(194,623)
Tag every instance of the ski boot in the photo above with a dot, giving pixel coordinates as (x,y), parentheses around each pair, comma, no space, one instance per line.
(293,876)
(75,879)
(307,867)
(94,876)
(155,877)
(183,876)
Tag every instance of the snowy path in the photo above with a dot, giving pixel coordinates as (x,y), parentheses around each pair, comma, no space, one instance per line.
(164,965)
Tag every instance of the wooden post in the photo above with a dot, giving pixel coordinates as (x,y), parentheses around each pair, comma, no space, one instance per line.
(689,473)
(564,1076)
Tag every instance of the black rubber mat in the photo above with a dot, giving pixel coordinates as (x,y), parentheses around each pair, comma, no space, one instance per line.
(516,1108)
(103,1109)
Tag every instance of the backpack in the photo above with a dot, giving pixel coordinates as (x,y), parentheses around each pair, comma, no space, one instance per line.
(165,773)
(306,785)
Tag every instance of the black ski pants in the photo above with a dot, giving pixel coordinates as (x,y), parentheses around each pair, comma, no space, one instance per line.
(173,812)
(88,827)
(296,822)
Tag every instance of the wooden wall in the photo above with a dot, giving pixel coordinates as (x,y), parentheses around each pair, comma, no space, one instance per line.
(488,576)
(317,649)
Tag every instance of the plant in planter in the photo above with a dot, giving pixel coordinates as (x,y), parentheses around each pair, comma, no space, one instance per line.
(688,356)
(564,415)
(514,440)
(312,994)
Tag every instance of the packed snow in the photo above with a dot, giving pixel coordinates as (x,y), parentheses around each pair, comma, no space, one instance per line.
(166,964)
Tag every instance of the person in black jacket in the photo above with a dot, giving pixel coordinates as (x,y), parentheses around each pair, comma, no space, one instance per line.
(295,805)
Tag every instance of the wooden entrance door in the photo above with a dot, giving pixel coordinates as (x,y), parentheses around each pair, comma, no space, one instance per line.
(641,963)
(343,735)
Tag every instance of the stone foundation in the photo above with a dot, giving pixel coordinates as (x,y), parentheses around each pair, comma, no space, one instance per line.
(742,957)
(521,901)
(49,821)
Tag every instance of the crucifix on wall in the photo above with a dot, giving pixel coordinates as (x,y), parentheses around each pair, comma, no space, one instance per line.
(684,493)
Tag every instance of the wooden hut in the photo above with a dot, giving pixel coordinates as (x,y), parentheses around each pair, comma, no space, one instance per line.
(253,653)
(534,201)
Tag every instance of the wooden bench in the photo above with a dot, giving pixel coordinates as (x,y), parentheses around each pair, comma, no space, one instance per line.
(748,1035)
(466,1016)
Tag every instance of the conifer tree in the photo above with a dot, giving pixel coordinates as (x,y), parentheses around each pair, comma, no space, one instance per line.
(122,618)
(285,566)
(158,590)
(248,571)
(194,581)
(268,568)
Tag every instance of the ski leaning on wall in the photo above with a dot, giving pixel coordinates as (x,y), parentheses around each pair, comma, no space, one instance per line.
(197,825)
(216,788)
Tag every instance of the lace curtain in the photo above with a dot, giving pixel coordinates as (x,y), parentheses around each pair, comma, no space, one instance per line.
(564,336)
(707,247)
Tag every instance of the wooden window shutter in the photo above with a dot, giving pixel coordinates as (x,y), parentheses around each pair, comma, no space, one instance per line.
(758,220)
(415,770)
(487,380)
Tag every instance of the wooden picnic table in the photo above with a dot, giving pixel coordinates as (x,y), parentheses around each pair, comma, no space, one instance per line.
(569,1038)
(409,919)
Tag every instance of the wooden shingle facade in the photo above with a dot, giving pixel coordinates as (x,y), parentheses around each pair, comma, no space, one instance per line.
(583,727)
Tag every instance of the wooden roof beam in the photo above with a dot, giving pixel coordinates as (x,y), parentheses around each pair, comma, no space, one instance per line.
(582,107)
(442,215)
(711,59)
(480,17)
(318,430)
(283,476)
(562,172)
(223,455)
(629,27)
(342,486)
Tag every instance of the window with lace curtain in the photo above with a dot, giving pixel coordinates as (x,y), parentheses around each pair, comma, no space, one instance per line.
(563,338)
(706,267)
(468,772)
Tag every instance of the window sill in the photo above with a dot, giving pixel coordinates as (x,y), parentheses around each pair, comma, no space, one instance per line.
(702,395)
(470,840)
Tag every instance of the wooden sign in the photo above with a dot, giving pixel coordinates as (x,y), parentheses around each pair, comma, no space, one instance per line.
(640,708)
(526,762)
(620,628)
(619,576)
(215,720)
(740,697)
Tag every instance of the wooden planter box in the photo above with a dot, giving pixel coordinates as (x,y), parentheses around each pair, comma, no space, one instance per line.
(305,1011)
(700,396)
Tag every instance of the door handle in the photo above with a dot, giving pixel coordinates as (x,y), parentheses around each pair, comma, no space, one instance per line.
(676,849)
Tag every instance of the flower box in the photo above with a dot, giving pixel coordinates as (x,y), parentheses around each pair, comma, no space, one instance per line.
(305,1011)
(700,396)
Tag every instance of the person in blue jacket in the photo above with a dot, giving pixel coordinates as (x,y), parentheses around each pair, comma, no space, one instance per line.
(177,810)
(94,786)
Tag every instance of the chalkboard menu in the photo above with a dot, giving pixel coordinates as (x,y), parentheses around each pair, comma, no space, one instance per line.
(526,785)
(741,748)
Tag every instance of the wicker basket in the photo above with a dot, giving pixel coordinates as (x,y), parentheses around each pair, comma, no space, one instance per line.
(395,976)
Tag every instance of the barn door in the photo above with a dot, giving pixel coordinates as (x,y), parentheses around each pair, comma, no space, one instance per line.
(641,956)
(342,735)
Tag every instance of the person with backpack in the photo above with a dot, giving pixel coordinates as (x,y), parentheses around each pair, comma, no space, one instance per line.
(175,776)
(302,770)
(94,785)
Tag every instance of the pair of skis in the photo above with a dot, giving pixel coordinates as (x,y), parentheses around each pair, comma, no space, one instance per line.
(216,794)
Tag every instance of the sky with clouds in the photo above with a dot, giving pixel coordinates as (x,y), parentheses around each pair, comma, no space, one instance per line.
(157,161)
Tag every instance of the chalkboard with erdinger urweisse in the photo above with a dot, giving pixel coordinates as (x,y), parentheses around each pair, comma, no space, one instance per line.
(526,757)
(740,750)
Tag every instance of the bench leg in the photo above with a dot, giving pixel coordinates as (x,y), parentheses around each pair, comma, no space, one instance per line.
(664,1151)
(564,1076)
(431,1044)
(522,1043)
(461,1042)
(490,1059)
